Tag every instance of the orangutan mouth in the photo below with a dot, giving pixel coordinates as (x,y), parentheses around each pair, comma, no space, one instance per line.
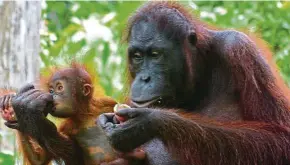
(146,103)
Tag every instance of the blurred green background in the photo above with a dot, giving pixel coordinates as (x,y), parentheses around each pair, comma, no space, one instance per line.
(91,32)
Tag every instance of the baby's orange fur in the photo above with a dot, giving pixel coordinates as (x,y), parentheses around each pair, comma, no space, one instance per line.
(70,127)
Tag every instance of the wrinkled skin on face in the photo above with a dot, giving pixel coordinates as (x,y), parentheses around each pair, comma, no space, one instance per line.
(156,65)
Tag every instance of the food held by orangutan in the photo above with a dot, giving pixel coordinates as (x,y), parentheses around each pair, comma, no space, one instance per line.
(119,107)
(7,113)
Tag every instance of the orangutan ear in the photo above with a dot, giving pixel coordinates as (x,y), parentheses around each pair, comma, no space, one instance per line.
(87,89)
(192,38)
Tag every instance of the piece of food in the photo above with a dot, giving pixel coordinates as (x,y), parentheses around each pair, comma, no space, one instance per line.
(119,107)
(8,114)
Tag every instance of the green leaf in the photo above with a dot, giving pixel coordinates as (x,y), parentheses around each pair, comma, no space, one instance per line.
(106,53)
(6,159)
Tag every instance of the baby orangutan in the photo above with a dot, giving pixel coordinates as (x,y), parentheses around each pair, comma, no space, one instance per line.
(77,140)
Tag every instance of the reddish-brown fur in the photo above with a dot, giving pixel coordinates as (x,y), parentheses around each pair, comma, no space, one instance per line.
(7,115)
(88,108)
(261,130)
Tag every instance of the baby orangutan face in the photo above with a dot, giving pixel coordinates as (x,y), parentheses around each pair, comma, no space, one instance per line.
(71,92)
(62,97)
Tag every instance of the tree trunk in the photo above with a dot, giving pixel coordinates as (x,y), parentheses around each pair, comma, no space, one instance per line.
(19,49)
(19,42)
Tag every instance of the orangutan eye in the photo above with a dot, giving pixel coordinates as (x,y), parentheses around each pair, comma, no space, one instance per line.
(137,55)
(155,54)
(51,91)
(59,87)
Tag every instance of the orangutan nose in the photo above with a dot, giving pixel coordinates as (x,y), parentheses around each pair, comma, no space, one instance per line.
(146,78)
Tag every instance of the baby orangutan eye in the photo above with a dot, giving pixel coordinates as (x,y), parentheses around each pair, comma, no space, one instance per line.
(59,88)
(51,91)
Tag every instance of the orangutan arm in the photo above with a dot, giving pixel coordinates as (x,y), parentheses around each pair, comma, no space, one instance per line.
(195,140)
(32,152)
(226,143)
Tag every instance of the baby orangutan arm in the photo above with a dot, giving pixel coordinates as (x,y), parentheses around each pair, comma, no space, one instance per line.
(31,106)
(32,152)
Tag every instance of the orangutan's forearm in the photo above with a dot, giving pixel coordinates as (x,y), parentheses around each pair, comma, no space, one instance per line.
(34,156)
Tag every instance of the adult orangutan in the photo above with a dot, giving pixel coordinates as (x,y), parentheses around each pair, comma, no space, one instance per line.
(210,96)
(71,97)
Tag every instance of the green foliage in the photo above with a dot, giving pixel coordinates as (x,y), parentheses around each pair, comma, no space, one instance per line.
(65,20)
(270,19)
(91,33)
(6,159)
